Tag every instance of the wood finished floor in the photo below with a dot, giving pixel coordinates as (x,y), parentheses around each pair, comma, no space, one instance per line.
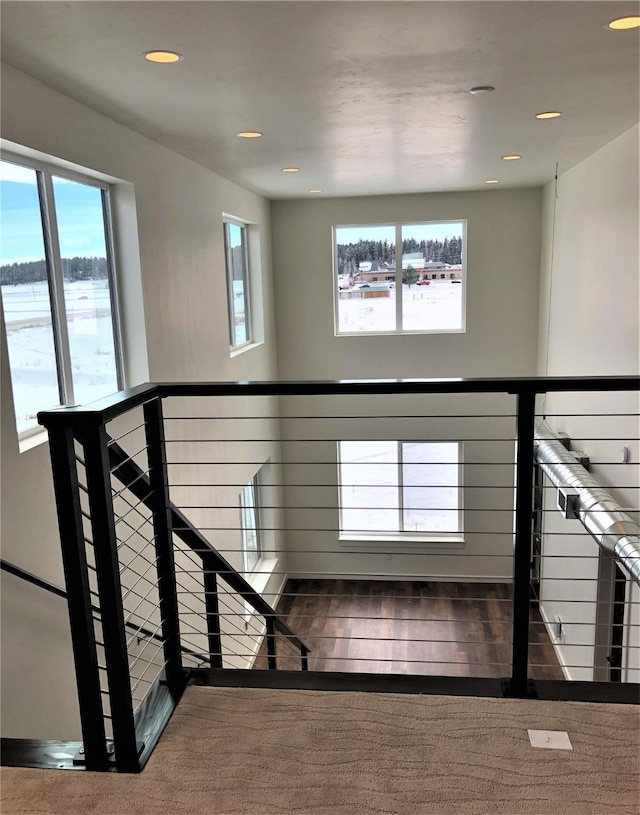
(407,627)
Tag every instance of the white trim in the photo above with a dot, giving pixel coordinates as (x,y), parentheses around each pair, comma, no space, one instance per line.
(45,169)
(260,576)
(398,543)
(399,331)
(242,349)
(399,537)
(414,576)
(29,439)
(247,289)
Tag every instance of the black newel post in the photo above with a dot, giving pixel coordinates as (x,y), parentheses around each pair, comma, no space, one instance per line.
(213,613)
(94,438)
(518,684)
(161,511)
(76,575)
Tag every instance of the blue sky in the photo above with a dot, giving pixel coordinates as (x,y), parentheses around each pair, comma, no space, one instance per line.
(79,211)
(437,231)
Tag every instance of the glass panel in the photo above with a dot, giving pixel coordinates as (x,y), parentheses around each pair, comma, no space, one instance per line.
(365,266)
(432,277)
(430,474)
(239,306)
(86,289)
(368,486)
(249,521)
(25,296)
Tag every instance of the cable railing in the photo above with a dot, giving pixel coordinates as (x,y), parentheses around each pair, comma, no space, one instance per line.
(304,534)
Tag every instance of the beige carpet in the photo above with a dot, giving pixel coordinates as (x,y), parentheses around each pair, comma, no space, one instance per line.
(259,752)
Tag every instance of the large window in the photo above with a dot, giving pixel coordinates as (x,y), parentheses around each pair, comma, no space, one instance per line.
(391,488)
(235,242)
(249,523)
(58,289)
(420,290)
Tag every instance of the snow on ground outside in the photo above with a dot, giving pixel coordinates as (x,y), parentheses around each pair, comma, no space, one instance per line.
(31,349)
(424,308)
(369,487)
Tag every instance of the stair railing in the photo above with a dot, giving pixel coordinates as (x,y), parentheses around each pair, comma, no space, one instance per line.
(85,459)
(122,591)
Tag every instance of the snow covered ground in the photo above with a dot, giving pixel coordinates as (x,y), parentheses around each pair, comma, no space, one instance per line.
(437,307)
(31,347)
(371,497)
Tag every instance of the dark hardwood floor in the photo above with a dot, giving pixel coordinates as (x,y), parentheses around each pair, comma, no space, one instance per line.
(406,627)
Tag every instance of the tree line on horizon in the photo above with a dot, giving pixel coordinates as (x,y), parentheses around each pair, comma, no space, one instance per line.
(35,271)
(350,255)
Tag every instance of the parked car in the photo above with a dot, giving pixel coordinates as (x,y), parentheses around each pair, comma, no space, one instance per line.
(456,281)
(423,283)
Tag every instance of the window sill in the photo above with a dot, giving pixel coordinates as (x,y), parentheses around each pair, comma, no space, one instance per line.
(259,578)
(400,543)
(405,333)
(32,439)
(242,349)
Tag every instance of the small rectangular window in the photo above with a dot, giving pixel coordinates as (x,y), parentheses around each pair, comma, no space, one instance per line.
(235,239)
(249,523)
(400,488)
(58,289)
(379,293)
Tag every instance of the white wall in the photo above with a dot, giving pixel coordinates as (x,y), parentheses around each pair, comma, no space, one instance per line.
(179,207)
(503,250)
(589,315)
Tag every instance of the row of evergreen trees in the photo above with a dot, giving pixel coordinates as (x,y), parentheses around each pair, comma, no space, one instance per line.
(35,271)
(350,255)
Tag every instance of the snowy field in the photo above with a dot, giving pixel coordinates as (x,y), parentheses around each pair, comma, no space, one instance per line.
(437,307)
(32,358)
(370,494)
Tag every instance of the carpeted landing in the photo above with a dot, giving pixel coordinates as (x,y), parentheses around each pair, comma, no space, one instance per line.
(265,752)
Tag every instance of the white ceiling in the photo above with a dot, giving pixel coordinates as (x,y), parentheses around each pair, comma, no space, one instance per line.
(364,97)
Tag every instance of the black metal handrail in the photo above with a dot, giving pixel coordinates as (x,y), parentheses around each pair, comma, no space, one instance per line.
(110,407)
(86,426)
(29,577)
(133,477)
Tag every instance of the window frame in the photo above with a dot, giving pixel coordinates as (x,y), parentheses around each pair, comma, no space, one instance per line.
(406,538)
(45,172)
(254,485)
(228,221)
(399,331)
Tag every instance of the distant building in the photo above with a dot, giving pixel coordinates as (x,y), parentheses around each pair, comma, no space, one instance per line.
(415,259)
(369,266)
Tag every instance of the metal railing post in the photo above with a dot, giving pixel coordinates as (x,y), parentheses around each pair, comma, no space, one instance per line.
(165,561)
(519,684)
(74,560)
(272,661)
(94,439)
(212,610)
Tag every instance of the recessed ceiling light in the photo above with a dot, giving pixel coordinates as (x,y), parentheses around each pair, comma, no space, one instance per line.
(514,157)
(290,169)
(250,134)
(492,181)
(624,23)
(549,114)
(162,57)
(479,89)
(315,190)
